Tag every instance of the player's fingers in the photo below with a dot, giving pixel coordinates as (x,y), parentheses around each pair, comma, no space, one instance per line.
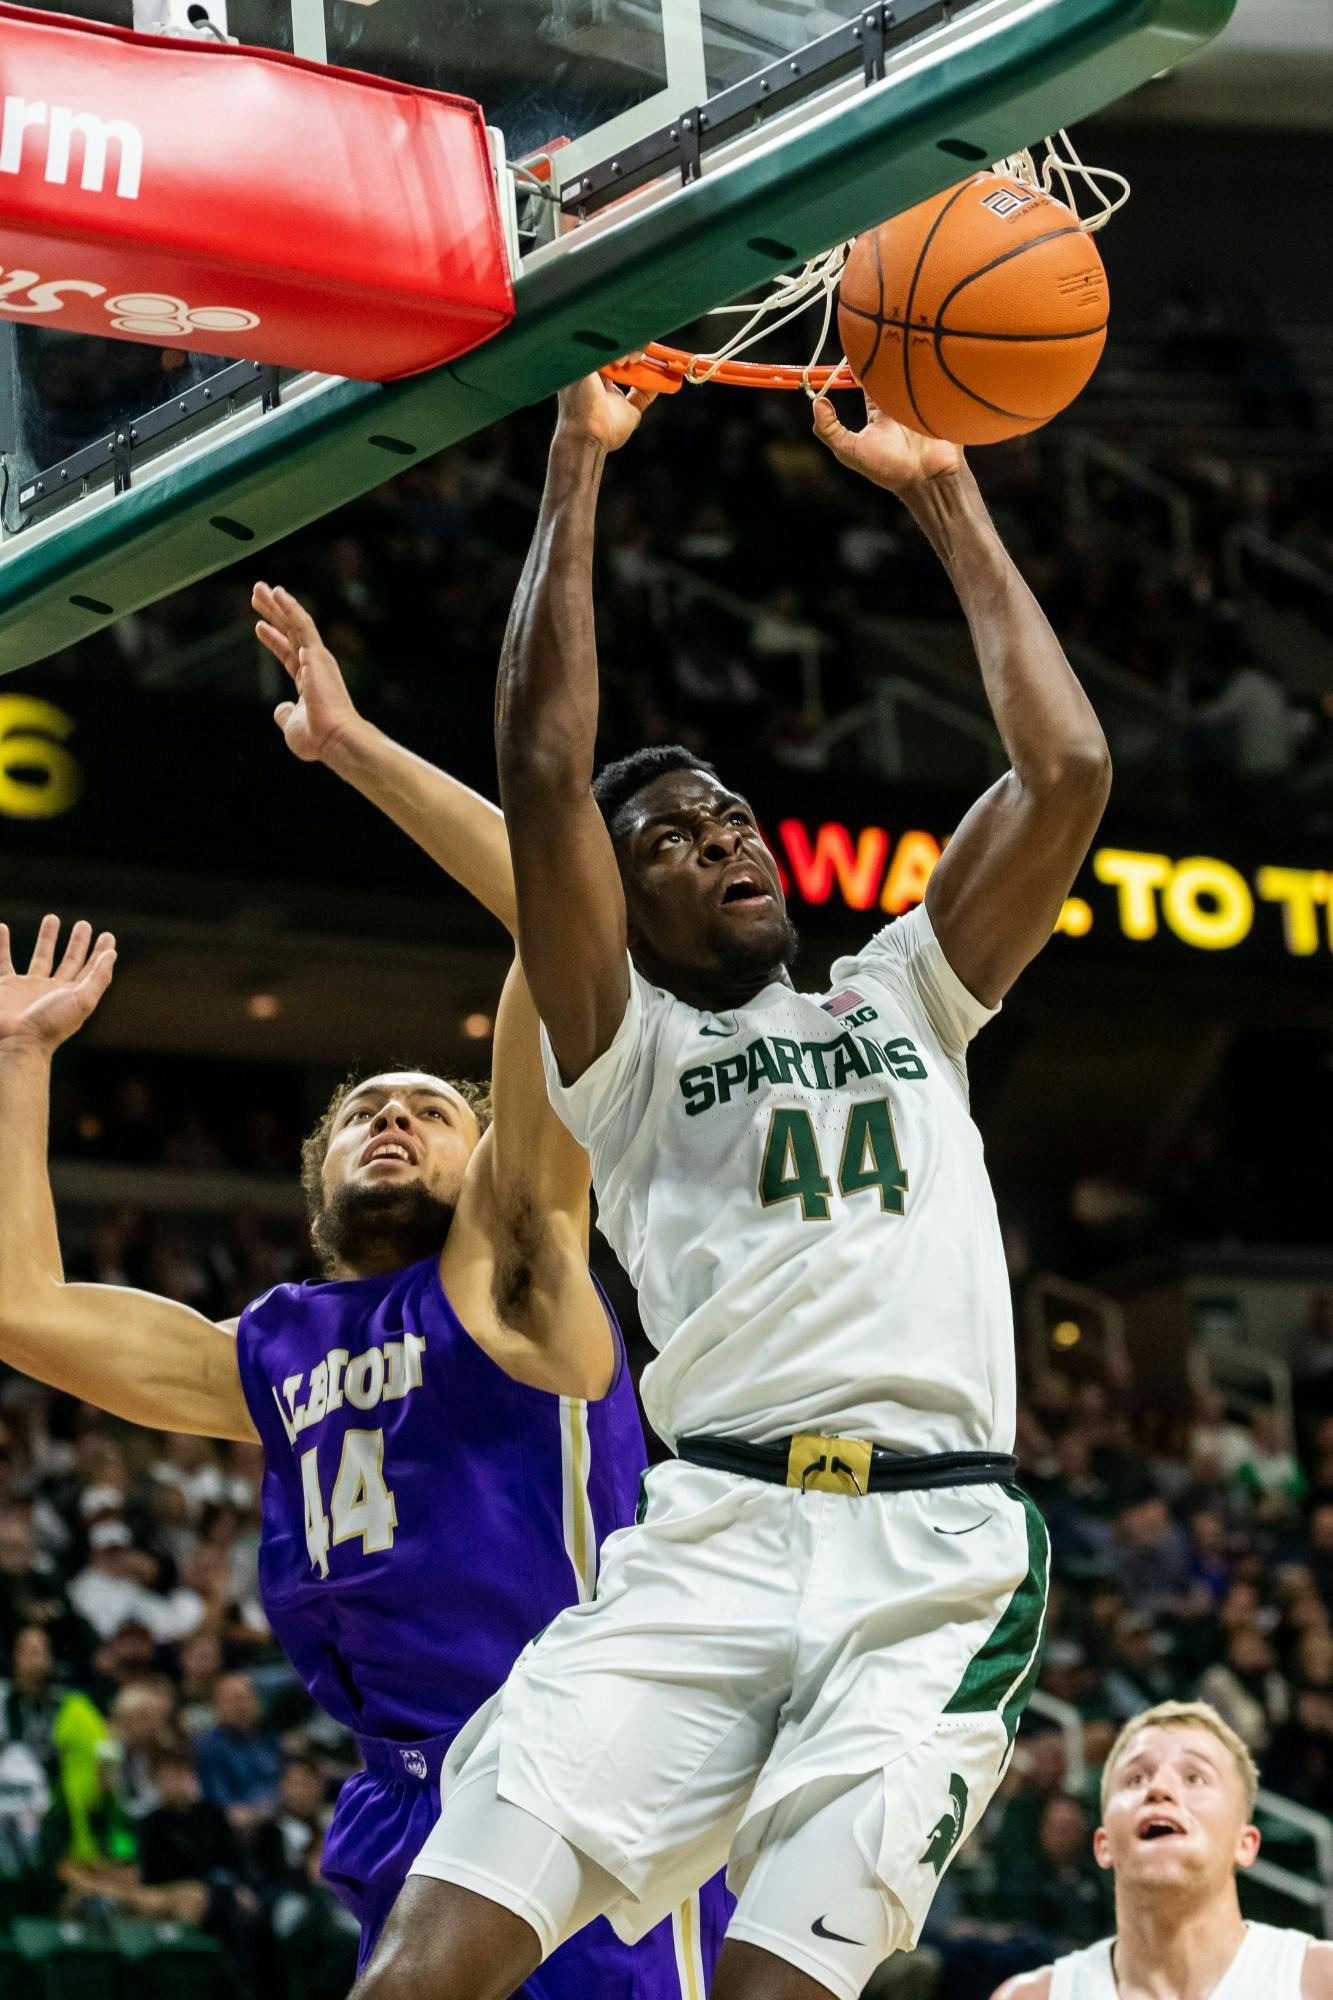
(97,974)
(642,399)
(6,960)
(830,429)
(44,951)
(302,626)
(283,714)
(278,644)
(264,601)
(76,951)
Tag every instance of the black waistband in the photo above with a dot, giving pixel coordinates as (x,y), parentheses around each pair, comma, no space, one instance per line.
(890,1471)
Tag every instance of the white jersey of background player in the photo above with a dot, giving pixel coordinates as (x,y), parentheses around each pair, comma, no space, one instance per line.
(810,1657)
(1178,1790)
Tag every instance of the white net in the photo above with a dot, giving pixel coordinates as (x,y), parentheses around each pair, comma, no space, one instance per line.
(1055,168)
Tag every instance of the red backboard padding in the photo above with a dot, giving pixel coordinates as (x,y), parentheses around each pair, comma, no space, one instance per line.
(242,202)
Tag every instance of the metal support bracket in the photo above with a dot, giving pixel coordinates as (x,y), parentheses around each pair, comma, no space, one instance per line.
(122,460)
(872,26)
(678,147)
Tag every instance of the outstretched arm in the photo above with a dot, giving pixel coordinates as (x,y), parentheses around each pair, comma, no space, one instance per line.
(997,891)
(146,1359)
(458,828)
(516,1257)
(571,908)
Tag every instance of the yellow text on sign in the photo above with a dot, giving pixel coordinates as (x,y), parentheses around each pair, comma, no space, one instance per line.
(38,777)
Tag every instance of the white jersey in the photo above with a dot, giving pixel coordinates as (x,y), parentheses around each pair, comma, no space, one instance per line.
(798,1192)
(1267,1966)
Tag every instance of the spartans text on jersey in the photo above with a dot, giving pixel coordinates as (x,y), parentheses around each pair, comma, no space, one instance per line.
(778,1059)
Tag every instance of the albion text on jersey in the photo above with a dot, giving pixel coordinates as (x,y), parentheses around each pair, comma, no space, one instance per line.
(379,1375)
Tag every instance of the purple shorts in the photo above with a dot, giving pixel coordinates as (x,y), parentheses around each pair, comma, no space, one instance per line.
(378,1830)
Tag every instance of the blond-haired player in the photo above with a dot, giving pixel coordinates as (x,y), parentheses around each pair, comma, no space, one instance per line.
(1178,1790)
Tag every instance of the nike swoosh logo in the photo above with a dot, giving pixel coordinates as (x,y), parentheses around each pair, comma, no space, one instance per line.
(717,1031)
(964,1531)
(821,1931)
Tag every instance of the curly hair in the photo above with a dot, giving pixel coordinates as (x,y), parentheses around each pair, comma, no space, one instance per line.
(616,784)
(314,1148)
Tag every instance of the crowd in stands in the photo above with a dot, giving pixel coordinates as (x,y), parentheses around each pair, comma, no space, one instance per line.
(736,496)
(157,1757)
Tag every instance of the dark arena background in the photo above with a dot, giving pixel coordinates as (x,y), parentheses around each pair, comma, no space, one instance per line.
(1156,1098)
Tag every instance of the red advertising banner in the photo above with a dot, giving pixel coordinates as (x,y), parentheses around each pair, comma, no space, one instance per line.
(242,202)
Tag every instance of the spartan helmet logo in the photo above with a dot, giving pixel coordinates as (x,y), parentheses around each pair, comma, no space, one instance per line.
(947,1828)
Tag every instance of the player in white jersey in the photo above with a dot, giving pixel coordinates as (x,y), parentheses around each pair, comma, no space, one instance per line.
(811,1655)
(1178,1790)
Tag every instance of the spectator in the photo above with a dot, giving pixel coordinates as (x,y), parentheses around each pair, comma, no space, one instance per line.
(1299,1764)
(1038,1777)
(189,1855)
(29,1701)
(1056,1889)
(30,1591)
(142,1727)
(185,1837)
(1247,1690)
(115,1589)
(200,1670)
(316,1937)
(26,1886)
(238,1762)
(1139,1676)
(285,1840)
(1269,1471)
(1151,1556)
(1320,1546)
(1210,1568)
(1244,727)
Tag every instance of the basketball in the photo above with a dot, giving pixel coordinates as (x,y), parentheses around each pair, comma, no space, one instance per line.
(976,315)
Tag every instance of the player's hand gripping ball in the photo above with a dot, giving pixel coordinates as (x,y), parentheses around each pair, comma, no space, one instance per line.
(976,315)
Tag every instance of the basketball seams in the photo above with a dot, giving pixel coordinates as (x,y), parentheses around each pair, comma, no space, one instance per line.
(1005,257)
(878,316)
(930,236)
(966,388)
(975,333)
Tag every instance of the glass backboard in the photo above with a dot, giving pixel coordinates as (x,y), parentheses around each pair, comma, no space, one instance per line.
(703,146)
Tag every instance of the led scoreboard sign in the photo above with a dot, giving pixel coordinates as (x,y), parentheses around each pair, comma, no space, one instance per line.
(1205,902)
(54,801)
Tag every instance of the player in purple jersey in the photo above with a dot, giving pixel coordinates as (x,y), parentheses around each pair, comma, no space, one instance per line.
(449,1434)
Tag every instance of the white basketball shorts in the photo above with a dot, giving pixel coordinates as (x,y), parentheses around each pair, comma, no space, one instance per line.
(758,1660)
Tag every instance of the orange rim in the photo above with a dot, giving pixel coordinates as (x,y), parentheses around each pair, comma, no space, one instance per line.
(667,369)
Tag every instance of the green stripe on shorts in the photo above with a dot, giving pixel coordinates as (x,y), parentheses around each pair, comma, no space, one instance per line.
(1001,1675)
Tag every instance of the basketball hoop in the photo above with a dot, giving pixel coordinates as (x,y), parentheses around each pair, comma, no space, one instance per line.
(668,369)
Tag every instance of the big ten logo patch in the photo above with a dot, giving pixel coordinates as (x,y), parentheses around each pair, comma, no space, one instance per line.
(1007,201)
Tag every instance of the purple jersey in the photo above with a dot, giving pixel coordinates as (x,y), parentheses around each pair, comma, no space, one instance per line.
(424,1515)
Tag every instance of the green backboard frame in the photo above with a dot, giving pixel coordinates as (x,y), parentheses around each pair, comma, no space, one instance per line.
(1024,68)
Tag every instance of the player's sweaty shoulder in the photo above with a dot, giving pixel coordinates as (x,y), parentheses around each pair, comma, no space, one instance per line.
(1027,1986)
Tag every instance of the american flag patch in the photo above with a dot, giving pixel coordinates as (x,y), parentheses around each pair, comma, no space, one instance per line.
(843,1003)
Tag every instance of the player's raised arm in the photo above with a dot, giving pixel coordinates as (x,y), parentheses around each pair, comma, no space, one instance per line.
(997,891)
(149,1360)
(516,1257)
(458,828)
(571,908)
